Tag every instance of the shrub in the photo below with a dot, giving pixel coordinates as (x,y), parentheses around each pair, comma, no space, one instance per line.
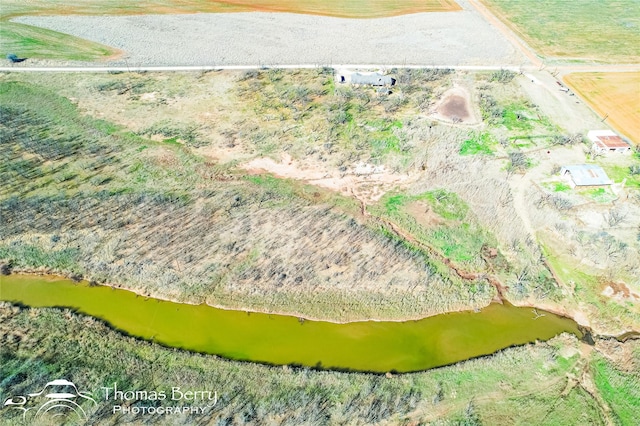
(503,76)
(518,161)
(571,139)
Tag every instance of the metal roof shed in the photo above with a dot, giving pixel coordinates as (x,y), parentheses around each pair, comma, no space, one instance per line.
(586,175)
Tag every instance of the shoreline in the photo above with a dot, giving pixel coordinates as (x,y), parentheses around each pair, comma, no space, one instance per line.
(576,316)
(26,272)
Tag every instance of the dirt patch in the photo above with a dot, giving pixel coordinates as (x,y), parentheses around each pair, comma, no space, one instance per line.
(424,215)
(366,182)
(223,154)
(621,354)
(163,157)
(619,292)
(455,107)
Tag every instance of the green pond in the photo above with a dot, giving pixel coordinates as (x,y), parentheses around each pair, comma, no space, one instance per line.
(377,346)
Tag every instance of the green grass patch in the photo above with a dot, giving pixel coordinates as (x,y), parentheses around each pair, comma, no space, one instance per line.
(394,202)
(447,204)
(460,239)
(619,173)
(514,117)
(31,256)
(32,42)
(566,271)
(281,189)
(585,30)
(621,390)
(561,187)
(462,244)
(480,143)
(384,125)
(599,195)
(522,117)
(172,141)
(382,138)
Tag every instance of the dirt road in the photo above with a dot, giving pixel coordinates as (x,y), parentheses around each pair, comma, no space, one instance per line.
(564,109)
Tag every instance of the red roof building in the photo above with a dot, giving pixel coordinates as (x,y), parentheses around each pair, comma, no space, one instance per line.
(606,141)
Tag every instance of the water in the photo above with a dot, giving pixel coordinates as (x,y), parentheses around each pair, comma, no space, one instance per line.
(280,339)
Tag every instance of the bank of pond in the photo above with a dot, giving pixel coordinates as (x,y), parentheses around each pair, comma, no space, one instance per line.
(374,346)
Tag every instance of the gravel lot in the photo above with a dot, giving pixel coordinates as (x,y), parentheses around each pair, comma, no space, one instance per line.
(256,38)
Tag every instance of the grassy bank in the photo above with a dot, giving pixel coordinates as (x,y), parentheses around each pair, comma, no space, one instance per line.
(586,290)
(440,219)
(42,344)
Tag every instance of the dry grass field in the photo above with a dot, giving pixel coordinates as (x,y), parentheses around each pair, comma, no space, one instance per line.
(585,30)
(200,187)
(145,210)
(615,95)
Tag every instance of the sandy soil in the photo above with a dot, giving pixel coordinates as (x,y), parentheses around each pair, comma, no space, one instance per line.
(282,38)
(365,182)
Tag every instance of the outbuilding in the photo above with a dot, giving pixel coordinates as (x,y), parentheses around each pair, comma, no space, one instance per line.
(606,141)
(585,175)
(366,78)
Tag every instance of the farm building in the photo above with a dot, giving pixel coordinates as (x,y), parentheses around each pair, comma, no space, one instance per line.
(585,175)
(606,141)
(368,79)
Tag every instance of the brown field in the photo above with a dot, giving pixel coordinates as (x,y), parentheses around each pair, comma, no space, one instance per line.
(616,95)
(345,9)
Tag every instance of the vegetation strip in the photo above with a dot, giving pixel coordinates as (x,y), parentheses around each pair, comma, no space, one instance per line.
(481,391)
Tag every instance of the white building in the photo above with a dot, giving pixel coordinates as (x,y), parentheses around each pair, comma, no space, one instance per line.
(606,141)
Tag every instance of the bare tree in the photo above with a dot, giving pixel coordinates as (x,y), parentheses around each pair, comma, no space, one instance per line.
(615,217)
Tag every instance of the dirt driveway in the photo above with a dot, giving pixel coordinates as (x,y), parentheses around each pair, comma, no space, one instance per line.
(564,109)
